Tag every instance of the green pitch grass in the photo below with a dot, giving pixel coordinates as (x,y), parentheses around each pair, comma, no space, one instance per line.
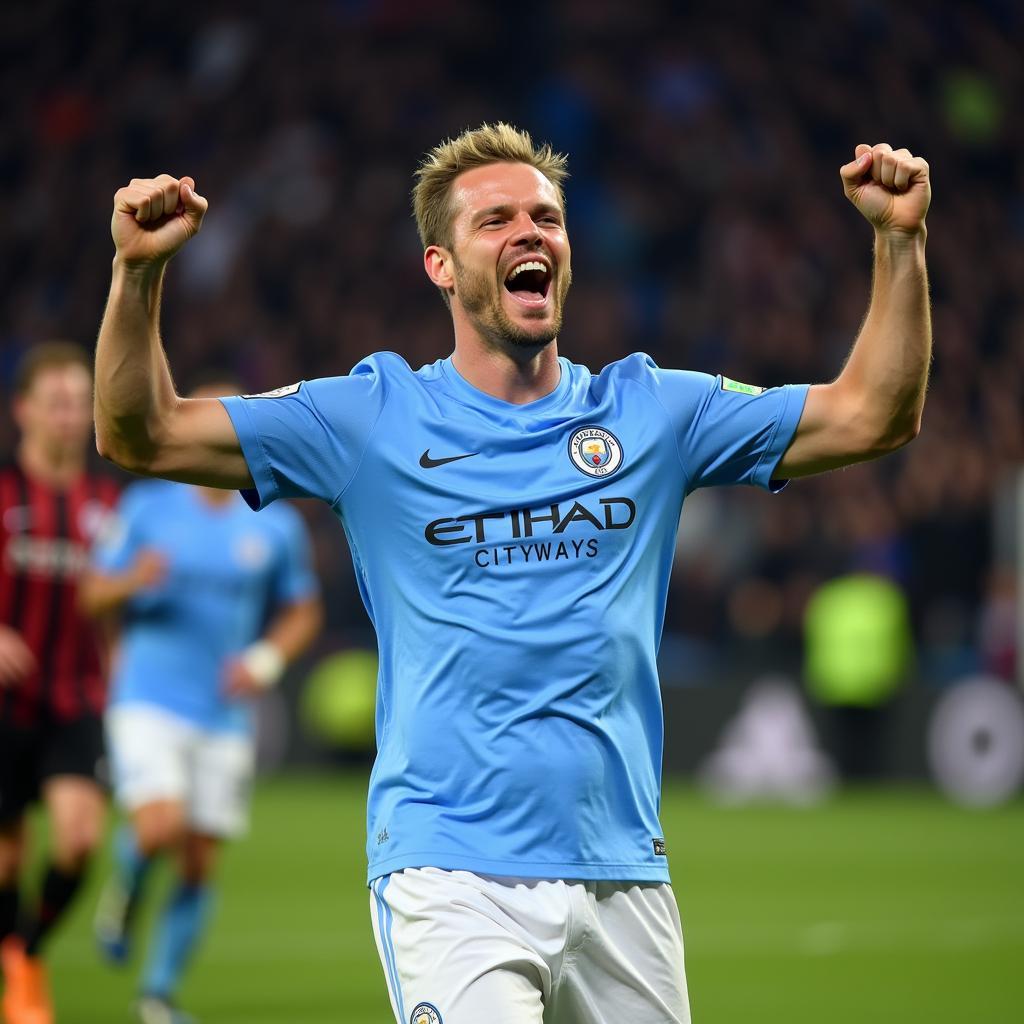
(887,906)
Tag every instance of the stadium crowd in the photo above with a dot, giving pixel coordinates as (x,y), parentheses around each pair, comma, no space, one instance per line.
(705,209)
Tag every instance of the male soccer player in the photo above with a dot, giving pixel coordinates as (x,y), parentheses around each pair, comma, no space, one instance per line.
(213,602)
(512,519)
(52,684)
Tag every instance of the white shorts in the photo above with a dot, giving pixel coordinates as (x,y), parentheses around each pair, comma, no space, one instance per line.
(157,755)
(460,948)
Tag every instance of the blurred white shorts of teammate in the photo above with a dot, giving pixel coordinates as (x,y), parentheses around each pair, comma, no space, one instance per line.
(157,755)
(461,948)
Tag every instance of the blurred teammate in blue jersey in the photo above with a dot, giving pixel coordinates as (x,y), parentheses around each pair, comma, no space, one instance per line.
(213,602)
(512,519)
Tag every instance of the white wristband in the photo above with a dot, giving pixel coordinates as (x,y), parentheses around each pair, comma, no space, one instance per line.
(264,662)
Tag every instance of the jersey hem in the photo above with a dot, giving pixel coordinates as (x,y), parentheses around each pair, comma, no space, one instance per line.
(562,870)
(782,436)
(182,717)
(265,488)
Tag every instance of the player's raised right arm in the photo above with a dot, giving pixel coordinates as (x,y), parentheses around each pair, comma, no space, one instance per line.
(141,422)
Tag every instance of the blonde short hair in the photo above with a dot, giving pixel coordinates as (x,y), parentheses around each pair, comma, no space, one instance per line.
(476,147)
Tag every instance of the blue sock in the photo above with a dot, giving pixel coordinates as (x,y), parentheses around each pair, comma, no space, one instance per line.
(132,866)
(180,927)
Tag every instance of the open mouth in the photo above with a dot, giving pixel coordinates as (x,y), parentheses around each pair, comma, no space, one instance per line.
(528,282)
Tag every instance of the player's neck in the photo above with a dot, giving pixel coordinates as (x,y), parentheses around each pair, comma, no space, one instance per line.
(215,496)
(53,466)
(511,380)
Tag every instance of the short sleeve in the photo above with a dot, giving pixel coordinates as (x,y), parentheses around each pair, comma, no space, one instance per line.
(121,537)
(295,580)
(729,433)
(306,440)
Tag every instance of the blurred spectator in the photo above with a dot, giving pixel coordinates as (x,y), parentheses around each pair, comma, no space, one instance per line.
(858,653)
(708,224)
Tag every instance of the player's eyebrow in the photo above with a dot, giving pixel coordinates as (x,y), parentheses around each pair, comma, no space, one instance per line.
(542,208)
(506,209)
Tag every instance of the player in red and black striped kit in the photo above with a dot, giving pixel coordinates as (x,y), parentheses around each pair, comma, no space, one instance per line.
(52,685)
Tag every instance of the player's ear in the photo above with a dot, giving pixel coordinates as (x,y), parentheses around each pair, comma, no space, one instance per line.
(440,266)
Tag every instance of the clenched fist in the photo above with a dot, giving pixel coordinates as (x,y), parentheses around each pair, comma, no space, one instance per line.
(154,217)
(889,187)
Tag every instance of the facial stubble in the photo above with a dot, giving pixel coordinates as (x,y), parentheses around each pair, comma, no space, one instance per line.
(481,299)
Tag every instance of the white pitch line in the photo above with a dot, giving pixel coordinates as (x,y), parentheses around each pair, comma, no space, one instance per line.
(816,939)
(827,938)
(252,947)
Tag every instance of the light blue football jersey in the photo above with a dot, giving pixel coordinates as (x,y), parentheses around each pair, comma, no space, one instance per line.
(515,562)
(229,570)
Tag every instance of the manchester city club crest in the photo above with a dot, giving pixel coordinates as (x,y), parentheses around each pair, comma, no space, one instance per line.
(252,551)
(595,451)
(425,1013)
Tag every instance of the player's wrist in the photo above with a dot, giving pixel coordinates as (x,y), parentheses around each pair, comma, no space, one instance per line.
(264,662)
(144,272)
(901,240)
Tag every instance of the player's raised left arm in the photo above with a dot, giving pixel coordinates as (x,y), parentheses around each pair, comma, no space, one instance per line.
(874,406)
(142,424)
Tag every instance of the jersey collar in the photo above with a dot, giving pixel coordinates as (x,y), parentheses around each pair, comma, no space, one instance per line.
(472,396)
